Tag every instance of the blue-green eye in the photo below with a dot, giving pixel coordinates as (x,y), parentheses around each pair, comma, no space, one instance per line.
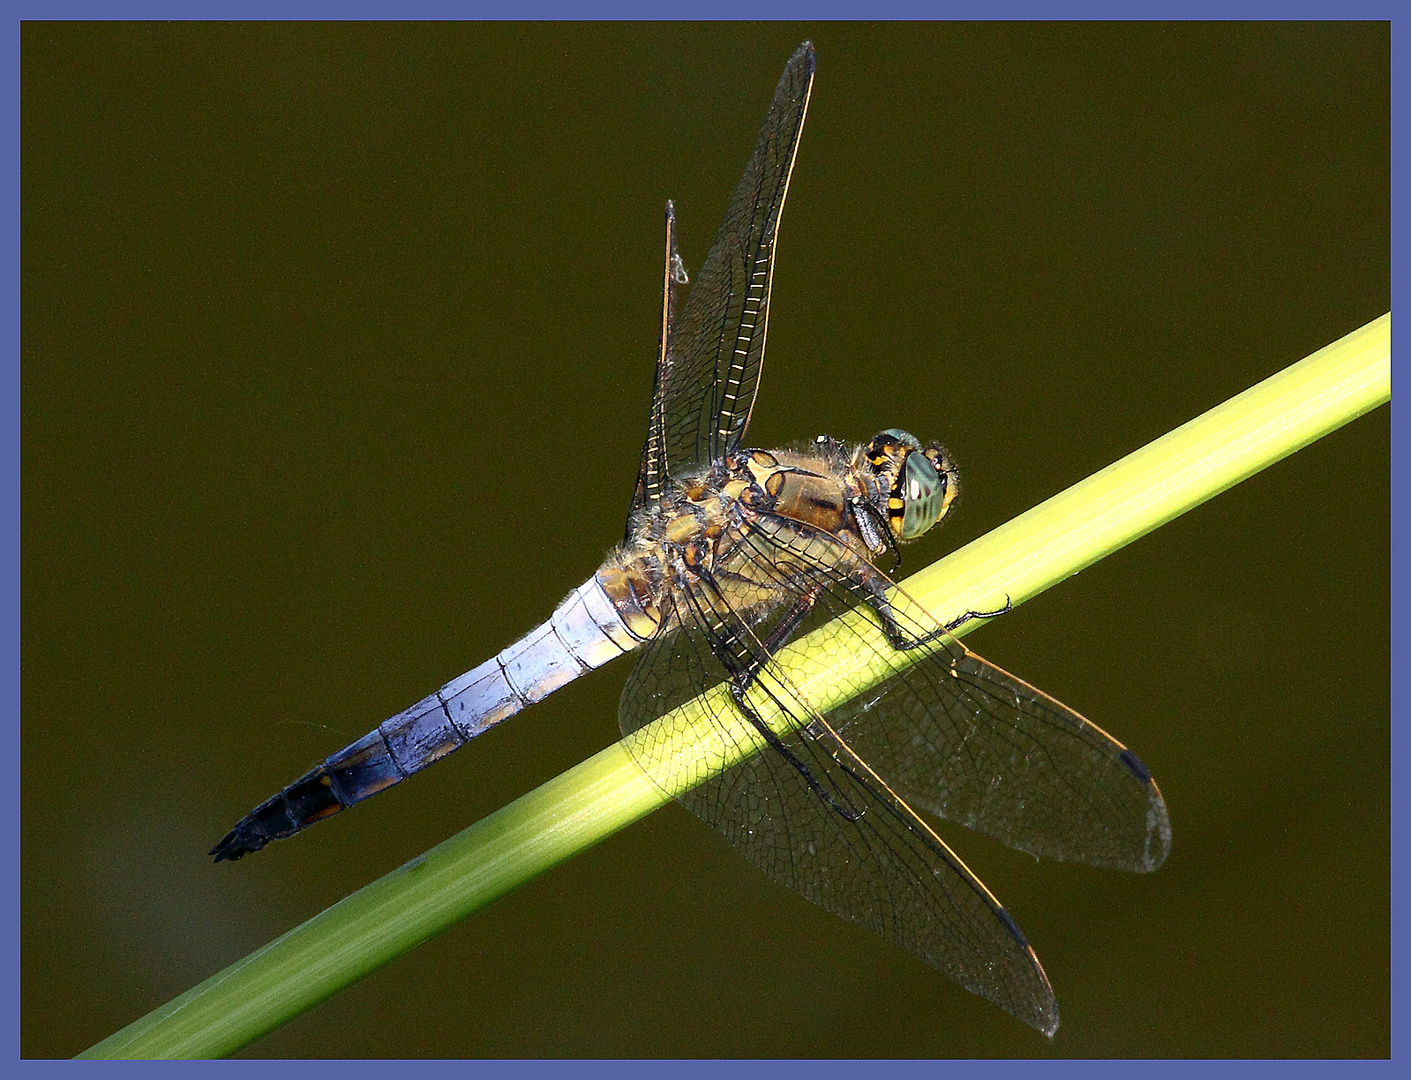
(926,486)
(923,492)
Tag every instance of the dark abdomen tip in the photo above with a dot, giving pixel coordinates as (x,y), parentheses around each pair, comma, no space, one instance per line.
(244,838)
(306,800)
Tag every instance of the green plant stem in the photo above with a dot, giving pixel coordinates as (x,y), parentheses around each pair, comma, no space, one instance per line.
(608,791)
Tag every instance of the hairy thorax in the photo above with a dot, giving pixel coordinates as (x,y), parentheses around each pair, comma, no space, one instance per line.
(751,519)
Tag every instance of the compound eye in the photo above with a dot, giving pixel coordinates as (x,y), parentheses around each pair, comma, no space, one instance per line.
(924,491)
(927,485)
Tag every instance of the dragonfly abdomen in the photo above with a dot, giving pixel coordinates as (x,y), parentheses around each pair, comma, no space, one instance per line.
(584,632)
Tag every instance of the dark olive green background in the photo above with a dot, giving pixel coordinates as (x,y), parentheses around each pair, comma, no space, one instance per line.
(337,344)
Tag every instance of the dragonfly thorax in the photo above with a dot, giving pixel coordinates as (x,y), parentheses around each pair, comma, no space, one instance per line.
(710,525)
(866,498)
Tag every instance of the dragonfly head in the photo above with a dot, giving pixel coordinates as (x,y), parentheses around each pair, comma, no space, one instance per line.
(918,483)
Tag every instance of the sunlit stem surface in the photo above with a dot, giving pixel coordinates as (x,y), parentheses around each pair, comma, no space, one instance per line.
(593,800)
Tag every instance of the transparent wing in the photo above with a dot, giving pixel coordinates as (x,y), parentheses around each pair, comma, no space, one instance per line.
(652,473)
(971,743)
(709,370)
(813,817)
(956,735)
(824,810)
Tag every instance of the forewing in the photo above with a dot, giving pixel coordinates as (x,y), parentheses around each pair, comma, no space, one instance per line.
(707,376)
(973,744)
(825,826)
(652,476)
(963,739)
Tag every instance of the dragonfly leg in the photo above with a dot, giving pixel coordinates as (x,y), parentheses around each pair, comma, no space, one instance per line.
(967,616)
(737,691)
(896,634)
(755,659)
(876,532)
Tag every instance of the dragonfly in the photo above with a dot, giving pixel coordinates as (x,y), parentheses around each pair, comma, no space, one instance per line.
(730,554)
